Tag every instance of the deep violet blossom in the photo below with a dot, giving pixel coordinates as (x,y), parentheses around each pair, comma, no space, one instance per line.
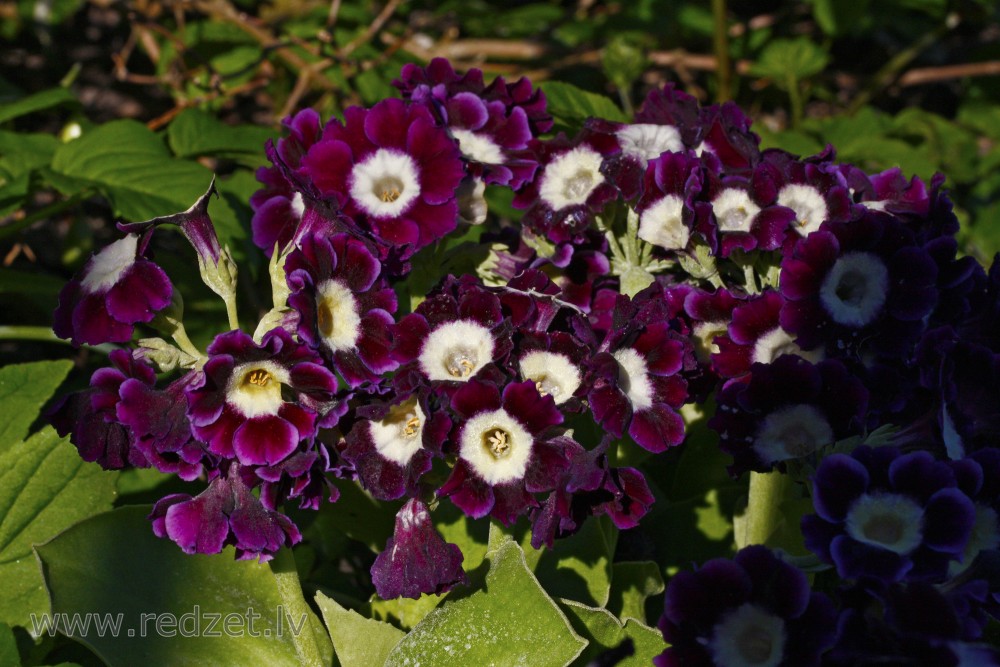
(416,559)
(118,288)
(753,610)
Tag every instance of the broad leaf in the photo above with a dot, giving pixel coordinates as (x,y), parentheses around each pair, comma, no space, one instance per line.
(172,608)
(357,641)
(8,647)
(45,487)
(579,567)
(24,389)
(633,582)
(37,102)
(132,167)
(509,621)
(572,105)
(195,132)
(787,61)
(605,632)
(407,612)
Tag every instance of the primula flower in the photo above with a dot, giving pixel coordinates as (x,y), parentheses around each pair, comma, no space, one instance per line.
(416,559)
(666,208)
(344,306)
(227,512)
(815,189)
(391,451)
(753,610)
(117,288)
(238,408)
(506,451)
(569,189)
(393,168)
(888,515)
(787,410)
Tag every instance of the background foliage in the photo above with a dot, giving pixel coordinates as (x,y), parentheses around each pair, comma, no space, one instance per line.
(112,110)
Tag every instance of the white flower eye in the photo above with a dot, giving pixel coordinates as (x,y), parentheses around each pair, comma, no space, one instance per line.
(496,446)
(456,351)
(553,374)
(809,206)
(254,388)
(571,177)
(662,224)
(855,289)
(399,435)
(385,184)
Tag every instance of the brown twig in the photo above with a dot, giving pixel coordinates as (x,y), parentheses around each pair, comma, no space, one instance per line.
(921,75)
(373,28)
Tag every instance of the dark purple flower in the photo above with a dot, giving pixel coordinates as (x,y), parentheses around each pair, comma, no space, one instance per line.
(416,559)
(787,410)
(506,450)
(393,168)
(666,208)
(238,407)
(753,610)
(888,516)
(344,306)
(815,189)
(195,224)
(224,513)
(117,288)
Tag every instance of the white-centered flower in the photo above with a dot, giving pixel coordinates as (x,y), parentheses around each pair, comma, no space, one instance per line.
(887,520)
(570,178)
(496,446)
(792,432)
(385,184)
(337,316)
(662,224)
(553,374)
(633,378)
(254,388)
(809,206)
(107,266)
(646,141)
(456,351)
(748,636)
(985,536)
(855,289)
(399,435)
(478,147)
(734,210)
(777,342)
(704,338)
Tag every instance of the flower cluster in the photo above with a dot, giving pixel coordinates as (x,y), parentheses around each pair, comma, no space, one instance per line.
(657,263)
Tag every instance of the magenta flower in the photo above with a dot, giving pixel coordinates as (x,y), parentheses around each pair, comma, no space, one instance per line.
(392,168)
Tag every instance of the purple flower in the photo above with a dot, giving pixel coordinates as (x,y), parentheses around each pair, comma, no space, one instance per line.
(815,189)
(344,306)
(416,559)
(393,168)
(569,189)
(225,513)
(888,515)
(787,410)
(506,450)
(117,288)
(753,610)
(666,207)
(238,408)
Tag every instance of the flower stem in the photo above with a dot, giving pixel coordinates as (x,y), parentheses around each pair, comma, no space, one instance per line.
(45,334)
(295,607)
(720,44)
(763,514)
(234,319)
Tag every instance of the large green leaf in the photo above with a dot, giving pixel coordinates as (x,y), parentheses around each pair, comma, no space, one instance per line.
(24,388)
(579,567)
(633,582)
(132,167)
(571,105)
(510,621)
(8,647)
(787,61)
(605,632)
(22,152)
(45,487)
(37,102)
(195,132)
(357,641)
(172,608)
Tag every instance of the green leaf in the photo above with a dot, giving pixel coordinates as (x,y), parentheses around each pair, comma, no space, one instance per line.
(357,641)
(24,388)
(40,290)
(195,132)
(605,632)
(470,535)
(8,647)
(836,17)
(32,103)
(132,167)
(789,60)
(165,600)
(406,612)
(579,567)
(360,517)
(20,153)
(571,105)
(510,621)
(632,583)
(45,487)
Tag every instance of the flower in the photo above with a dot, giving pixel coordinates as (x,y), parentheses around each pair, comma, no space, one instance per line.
(238,408)
(416,560)
(390,168)
(117,289)
(666,208)
(344,306)
(752,610)
(887,515)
